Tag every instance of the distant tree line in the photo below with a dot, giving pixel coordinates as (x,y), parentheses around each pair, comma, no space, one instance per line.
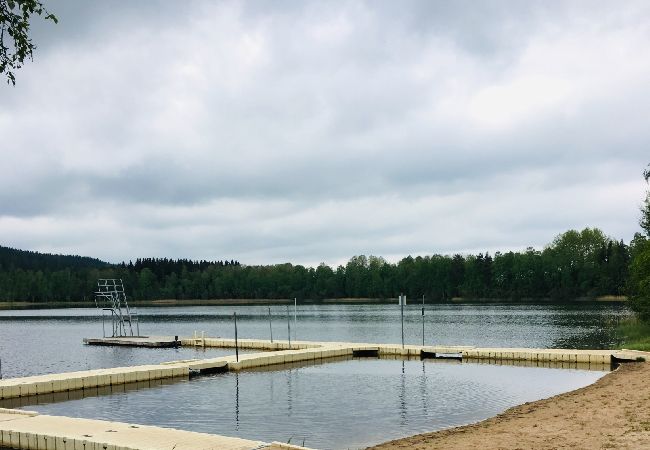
(576,264)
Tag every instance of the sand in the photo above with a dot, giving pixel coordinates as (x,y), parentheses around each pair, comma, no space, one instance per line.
(614,412)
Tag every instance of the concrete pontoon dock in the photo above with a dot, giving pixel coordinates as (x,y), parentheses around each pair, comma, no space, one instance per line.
(24,430)
(29,430)
(281,352)
(136,341)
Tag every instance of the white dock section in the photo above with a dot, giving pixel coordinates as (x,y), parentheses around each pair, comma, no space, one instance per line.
(136,341)
(26,430)
(279,352)
(60,382)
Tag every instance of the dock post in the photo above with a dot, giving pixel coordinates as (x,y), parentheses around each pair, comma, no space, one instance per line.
(270,326)
(289,326)
(295,318)
(402,300)
(422,320)
(236,341)
(0,368)
(103,327)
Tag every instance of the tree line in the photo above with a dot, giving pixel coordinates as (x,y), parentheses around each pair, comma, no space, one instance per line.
(576,264)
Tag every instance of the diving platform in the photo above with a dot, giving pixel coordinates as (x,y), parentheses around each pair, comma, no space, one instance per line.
(136,341)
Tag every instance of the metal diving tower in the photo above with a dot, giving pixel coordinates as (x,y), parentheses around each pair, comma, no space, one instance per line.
(110,296)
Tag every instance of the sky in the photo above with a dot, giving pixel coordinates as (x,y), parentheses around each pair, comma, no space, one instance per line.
(309,132)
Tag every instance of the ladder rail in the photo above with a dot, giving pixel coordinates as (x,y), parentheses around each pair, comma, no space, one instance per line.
(110,295)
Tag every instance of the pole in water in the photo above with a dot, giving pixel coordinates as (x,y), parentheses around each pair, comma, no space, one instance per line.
(236,342)
(295,317)
(0,368)
(402,300)
(270,326)
(289,326)
(422,320)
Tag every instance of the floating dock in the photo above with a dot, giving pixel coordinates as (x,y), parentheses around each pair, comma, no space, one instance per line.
(29,430)
(136,341)
(24,430)
(283,352)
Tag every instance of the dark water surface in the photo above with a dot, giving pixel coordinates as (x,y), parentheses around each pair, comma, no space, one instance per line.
(349,403)
(48,341)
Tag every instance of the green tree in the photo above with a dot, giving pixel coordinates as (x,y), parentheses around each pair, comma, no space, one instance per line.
(15,44)
(639,282)
(645,208)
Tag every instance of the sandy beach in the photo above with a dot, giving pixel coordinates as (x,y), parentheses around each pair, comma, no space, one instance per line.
(614,412)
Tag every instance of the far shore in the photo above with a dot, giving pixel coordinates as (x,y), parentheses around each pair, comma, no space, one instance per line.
(7,305)
(611,413)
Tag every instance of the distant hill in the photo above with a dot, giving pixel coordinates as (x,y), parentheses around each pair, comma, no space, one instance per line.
(11,259)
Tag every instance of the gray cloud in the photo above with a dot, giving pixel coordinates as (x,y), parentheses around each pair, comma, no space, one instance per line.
(308,131)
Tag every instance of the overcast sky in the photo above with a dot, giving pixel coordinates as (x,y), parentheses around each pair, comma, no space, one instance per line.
(312,131)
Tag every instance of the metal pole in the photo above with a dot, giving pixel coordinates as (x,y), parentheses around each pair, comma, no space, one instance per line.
(401,303)
(422,320)
(270,326)
(0,368)
(295,317)
(289,326)
(103,327)
(236,342)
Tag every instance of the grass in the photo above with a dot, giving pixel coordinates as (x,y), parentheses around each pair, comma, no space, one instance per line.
(635,334)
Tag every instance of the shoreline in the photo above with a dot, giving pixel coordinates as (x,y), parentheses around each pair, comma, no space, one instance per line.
(613,412)
(18,305)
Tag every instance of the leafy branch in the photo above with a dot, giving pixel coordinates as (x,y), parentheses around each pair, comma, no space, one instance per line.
(15,44)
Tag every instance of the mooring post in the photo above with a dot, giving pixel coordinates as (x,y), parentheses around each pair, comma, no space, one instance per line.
(402,300)
(289,326)
(422,320)
(103,328)
(236,341)
(270,325)
(295,318)
(0,368)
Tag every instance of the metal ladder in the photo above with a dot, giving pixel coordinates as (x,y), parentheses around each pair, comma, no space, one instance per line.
(110,296)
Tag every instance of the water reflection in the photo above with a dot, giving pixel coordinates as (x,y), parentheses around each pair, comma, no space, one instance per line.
(236,401)
(340,403)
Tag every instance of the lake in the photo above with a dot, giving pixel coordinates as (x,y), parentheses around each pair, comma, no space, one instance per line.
(49,341)
(342,403)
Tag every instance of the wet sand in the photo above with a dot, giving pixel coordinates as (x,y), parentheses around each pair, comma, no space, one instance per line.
(614,412)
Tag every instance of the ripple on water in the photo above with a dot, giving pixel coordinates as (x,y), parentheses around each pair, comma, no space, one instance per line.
(348,403)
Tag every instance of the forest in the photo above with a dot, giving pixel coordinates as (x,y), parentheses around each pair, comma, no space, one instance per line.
(576,264)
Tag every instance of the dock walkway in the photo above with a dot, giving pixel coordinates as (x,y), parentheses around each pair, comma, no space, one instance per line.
(136,341)
(281,352)
(24,430)
(27,430)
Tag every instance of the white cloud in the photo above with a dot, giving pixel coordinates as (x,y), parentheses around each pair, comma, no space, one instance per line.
(312,132)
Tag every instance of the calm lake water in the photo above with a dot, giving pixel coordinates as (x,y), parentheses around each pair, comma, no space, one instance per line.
(348,403)
(48,341)
(344,403)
